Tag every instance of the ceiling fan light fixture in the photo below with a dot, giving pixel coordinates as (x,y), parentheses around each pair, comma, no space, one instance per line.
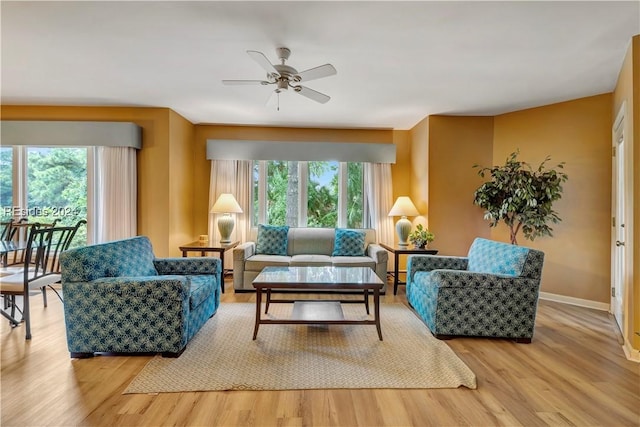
(282,84)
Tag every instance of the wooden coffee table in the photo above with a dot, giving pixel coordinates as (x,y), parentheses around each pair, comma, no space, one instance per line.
(324,311)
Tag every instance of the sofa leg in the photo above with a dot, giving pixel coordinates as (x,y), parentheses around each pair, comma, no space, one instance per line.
(173,355)
(443,337)
(523,340)
(75,355)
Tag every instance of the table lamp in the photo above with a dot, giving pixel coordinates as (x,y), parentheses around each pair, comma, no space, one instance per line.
(403,207)
(226,205)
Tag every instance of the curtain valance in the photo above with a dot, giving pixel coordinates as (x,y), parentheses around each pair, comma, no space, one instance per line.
(220,149)
(71,133)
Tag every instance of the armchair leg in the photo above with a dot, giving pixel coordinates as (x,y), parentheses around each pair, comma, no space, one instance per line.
(443,337)
(173,355)
(75,355)
(523,340)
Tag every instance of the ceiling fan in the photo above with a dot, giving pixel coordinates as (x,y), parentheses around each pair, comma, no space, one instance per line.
(285,76)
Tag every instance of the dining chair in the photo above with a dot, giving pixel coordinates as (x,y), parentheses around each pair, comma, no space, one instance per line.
(41,269)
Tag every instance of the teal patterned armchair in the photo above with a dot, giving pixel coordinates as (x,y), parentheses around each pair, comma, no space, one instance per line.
(493,292)
(119,298)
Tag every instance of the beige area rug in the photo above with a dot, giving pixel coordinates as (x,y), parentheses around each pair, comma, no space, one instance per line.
(223,356)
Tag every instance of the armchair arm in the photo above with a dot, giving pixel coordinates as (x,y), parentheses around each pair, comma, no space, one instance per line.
(468,279)
(188,266)
(378,253)
(417,263)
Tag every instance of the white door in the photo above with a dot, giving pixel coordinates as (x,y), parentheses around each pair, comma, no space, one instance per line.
(618,272)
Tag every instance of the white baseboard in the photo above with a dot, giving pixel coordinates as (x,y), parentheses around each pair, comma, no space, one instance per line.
(575,301)
(630,352)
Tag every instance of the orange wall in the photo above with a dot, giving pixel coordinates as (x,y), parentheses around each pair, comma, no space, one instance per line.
(577,257)
(627,91)
(445,148)
(181,183)
(155,196)
(202,167)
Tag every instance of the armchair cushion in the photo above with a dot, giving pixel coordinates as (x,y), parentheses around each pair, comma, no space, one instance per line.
(486,256)
(120,258)
(187,266)
(272,240)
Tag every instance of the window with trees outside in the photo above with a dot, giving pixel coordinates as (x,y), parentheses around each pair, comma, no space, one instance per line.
(308,194)
(52,185)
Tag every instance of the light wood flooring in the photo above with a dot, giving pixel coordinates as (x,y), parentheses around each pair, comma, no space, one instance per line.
(573,373)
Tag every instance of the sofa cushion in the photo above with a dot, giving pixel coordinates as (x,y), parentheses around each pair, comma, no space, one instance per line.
(258,262)
(353,261)
(348,242)
(310,260)
(272,239)
(487,256)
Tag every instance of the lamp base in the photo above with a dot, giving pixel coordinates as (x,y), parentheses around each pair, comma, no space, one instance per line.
(403,228)
(225,226)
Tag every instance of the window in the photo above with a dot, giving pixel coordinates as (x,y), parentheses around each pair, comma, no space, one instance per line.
(311,194)
(54,185)
(6,182)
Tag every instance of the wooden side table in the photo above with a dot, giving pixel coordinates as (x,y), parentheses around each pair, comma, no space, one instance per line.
(397,251)
(205,247)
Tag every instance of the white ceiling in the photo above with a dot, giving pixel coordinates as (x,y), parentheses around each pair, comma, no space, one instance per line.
(397,62)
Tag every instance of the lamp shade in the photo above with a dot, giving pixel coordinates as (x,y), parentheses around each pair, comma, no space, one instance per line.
(226,203)
(403,207)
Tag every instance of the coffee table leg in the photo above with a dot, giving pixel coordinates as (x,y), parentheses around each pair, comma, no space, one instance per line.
(376,309)
(258,304)
(266,308)
(366,299)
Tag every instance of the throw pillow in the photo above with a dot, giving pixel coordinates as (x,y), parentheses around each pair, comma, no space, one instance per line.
(348,243)
(272,239)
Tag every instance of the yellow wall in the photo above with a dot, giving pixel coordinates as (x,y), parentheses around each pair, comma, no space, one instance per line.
(627,91)
(202,167)
(181,183)
(455,144)
(155,195)
(577,257)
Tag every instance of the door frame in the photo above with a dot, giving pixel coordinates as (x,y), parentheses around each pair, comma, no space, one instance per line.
(620,126)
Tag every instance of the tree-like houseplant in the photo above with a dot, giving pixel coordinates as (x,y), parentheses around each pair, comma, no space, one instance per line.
(421,237)
(521,196)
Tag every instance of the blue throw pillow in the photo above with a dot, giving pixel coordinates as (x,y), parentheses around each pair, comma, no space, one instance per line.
(272,239)
(348,243)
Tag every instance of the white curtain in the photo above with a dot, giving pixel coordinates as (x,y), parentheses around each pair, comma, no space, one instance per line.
(378,191)
(115,193)
(231,176)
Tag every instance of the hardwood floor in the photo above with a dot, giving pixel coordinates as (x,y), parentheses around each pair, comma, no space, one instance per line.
(573,373)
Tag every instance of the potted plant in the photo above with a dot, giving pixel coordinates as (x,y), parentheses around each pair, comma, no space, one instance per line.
(421,237)
(521,197)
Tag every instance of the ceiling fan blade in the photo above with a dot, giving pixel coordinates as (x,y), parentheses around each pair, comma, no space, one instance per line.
(244,82)
(263,61)
(312,94)
(325,70)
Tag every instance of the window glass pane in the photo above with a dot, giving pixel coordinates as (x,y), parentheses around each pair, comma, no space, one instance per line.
(282,187)
(57,187)
(322,194)
(355,195)
(255,192)
(6,183)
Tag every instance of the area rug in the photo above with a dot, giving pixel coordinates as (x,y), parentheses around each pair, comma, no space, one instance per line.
(223,356)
